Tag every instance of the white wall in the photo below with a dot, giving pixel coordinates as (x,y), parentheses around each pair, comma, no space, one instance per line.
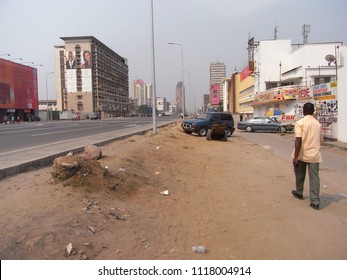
(342,97)
(268,56)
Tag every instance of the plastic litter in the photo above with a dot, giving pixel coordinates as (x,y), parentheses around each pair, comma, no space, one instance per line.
(198,249)
(165,192)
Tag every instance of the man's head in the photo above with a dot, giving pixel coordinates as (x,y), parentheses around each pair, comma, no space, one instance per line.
(308,109)
(70,56)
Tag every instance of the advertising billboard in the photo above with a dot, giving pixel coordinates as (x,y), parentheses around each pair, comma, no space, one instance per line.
(78,71)
(215,94)
(18,86)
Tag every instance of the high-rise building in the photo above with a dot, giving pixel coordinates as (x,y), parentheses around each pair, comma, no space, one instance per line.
(179,98)
(90,77)
(217,74)
(142,93)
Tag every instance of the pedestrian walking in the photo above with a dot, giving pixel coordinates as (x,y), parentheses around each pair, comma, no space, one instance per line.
(306,155)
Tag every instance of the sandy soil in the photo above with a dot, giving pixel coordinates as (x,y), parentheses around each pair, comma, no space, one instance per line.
(231,197)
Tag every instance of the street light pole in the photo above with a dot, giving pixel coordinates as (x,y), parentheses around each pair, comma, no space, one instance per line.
(190,96)
(47,94)
(183,92)
(154,95)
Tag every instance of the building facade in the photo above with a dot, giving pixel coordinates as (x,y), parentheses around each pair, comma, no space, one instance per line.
(18,91)
(90,77)
(286,76)
(179,98)
(217,74)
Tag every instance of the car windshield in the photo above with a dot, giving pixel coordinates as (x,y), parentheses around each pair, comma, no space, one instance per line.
(202,116)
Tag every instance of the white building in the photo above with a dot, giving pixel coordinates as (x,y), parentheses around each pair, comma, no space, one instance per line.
(286,76)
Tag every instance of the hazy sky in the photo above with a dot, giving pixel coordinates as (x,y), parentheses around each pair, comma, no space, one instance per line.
(209,30)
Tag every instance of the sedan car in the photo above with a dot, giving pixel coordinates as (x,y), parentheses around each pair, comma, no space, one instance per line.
(94,116)
(264,124)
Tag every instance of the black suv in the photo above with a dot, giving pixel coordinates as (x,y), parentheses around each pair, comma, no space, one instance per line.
(204,121)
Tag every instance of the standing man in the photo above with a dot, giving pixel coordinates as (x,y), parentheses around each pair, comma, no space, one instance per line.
(308,136)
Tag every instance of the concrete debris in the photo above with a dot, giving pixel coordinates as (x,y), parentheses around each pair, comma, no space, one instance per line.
(92,152)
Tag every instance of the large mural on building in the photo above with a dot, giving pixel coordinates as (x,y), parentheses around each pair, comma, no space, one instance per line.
(78,67)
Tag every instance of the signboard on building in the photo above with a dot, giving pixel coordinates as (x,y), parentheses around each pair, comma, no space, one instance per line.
(73,66)
(326,91)
(277,95)
(215,94)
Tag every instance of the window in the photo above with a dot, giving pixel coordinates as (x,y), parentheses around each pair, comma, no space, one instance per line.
(321,80)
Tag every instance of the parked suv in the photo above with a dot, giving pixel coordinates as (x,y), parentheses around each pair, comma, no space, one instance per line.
(204,121)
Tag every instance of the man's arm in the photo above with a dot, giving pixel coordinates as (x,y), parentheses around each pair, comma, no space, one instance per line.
(297,146)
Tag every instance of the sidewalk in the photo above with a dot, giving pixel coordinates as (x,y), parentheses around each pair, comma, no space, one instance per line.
(337,144)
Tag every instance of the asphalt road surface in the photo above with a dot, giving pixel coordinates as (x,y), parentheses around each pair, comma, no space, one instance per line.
(25,135)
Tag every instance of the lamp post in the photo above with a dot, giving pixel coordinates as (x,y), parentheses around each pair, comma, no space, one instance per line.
(189,86)
(183,93)
(47,94)
(154,95)
(5,54)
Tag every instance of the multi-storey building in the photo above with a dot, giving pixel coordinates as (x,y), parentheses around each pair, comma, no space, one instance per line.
(18,91)
(217,74)
(90,77)
(142,93)
(179,97)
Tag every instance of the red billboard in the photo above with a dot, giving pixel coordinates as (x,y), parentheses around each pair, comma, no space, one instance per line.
(245,73)
(215,94)
(18,86)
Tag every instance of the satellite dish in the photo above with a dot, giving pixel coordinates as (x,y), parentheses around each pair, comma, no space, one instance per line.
(330,58)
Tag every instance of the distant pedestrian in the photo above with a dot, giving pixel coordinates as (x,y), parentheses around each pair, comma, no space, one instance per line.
(308,136)
(241,117)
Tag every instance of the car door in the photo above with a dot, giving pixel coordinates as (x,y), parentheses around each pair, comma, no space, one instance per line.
(256,124)
(215,119)
(269,124)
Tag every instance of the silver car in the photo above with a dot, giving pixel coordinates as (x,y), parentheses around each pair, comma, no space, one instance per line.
(264,124)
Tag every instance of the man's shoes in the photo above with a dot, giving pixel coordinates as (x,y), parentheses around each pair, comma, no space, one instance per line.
(315,206)
(296,195)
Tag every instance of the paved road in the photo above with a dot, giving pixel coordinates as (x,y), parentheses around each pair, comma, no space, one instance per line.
(30,145)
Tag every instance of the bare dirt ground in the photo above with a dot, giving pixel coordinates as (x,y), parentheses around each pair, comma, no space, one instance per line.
(231,197)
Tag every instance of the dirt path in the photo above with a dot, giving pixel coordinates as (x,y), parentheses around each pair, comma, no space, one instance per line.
(231,197)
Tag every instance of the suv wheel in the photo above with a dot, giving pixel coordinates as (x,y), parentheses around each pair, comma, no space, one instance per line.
(228,132)
(202,131)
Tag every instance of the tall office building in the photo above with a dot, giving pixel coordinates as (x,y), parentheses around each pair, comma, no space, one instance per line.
(90,77)
(142,93)
(217,74)
(179,98)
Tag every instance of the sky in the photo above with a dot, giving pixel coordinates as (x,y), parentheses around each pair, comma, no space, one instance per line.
(208,31)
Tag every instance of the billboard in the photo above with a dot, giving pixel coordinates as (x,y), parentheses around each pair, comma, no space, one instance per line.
(18,86)
(215,94)
(78,71)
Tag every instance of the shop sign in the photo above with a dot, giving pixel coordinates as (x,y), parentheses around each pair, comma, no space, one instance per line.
(325,91)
